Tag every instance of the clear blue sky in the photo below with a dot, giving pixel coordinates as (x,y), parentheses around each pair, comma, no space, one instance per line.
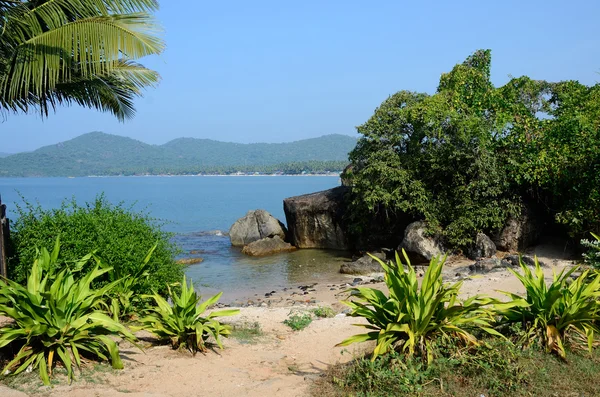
(275,71)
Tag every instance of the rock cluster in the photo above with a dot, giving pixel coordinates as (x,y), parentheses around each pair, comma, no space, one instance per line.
(260,234)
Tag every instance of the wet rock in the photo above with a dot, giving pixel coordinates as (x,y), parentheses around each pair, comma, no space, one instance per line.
(484,247)
(513,260)
(256,225)
(316,220)
(189,261)
(267,246)
(364,265)
(420,247)
(485,265)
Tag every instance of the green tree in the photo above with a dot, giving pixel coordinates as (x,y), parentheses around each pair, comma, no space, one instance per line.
(433,156)
(55,52)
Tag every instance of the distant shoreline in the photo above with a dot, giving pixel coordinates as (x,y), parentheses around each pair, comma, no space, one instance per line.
(337,175)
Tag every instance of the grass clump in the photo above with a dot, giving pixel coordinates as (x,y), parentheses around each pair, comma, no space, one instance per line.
(298,322)
(323,312)
(247,333)
(494,368)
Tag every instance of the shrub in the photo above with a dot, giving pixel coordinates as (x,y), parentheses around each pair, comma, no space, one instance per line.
(183,324)
(550,313)
(298,322)
(323,312)
(120,235)
(58,317)
(592,256)
(411,318)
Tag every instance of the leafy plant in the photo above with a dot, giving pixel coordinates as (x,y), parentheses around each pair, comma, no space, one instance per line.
(551,313)
(184,323)
(323,312)
(120,235)
(592,256)
(411,318)
(298,322)
(59,317)
(125,301)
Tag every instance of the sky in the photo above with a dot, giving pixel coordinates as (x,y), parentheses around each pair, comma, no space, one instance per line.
(280,71)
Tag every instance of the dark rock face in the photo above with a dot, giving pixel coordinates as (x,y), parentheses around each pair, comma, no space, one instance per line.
(316,220)
(267,246)
(364,265)
(485,265)
(520,233)
(256,225)
(420,247)
(484,247)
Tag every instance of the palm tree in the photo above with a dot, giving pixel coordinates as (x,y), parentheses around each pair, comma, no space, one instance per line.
(55,52)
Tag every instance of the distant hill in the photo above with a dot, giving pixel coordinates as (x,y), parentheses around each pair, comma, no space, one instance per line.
(2,154)
(97,153)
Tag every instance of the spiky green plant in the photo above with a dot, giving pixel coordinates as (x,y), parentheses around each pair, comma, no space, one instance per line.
(550,313)
(126,298)
(58,317)
(184,324)
(410,318)
(592,256)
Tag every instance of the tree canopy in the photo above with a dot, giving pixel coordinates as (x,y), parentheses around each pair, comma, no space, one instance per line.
(55,52)
(468,156)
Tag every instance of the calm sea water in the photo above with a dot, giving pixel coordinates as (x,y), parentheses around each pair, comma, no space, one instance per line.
(200,211)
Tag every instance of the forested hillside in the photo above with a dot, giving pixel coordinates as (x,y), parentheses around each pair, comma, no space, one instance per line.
(97,153)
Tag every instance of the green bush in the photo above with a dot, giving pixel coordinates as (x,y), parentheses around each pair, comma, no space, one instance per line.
(58,316)
(298,322)
(183,324)
(121,236)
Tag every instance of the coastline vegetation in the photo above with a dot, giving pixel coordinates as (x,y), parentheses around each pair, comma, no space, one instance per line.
(471,155)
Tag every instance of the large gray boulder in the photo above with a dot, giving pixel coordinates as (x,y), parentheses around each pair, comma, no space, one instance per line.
(256,225)
(316,220)
(484,247)
(364,265)
(419,246)
(520,232)
(267,246)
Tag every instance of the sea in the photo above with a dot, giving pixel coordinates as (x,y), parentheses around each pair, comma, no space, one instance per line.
(200,210)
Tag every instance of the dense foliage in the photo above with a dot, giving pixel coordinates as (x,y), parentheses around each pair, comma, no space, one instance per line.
(410,318)
(55,52)
(467,157)
(58,316)
(120,236)
(103,154)
(184,324)
(592,256)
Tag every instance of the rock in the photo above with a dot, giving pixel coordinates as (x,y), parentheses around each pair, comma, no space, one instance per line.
(520,232)
(189,261)
(267,246)
(420,247)
(256,225)
(513,260)
(316,220)
(484,247)
(485,265)
(363,265)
